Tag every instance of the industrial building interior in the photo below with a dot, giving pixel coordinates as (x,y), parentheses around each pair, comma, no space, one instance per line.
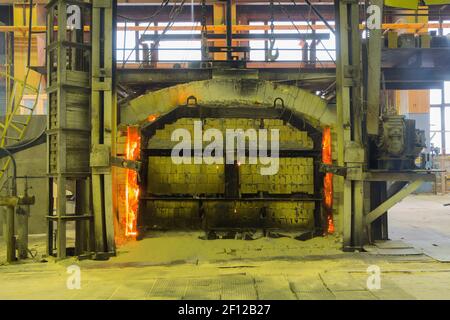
(114,179)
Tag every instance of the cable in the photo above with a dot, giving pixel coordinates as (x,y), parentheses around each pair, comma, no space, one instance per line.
(174,12)
(163,4)
(25,144)
(307,22)
(156,13)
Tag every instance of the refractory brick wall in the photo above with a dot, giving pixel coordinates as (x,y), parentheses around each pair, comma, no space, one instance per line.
(289,136)
(186,214)
(295,176)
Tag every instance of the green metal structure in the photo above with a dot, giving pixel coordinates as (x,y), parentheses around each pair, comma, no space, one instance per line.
(68,127)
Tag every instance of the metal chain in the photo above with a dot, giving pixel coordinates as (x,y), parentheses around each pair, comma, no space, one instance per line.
(203,21)
(272,25)
(204,44)
(272,56)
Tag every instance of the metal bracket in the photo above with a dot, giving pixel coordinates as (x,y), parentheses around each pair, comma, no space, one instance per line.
(329,168)
(126,164)
(354,153)
(104,85)
(100,156)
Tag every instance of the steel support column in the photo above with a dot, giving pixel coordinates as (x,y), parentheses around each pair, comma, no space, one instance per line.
(67,135)
(373,75)
(351,153)
(8,233)
(103,123)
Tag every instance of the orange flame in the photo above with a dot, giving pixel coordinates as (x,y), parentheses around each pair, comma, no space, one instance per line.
(132,187)
(328,179)
(152,117)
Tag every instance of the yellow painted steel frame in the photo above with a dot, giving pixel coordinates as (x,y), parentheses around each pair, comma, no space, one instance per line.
(15,108)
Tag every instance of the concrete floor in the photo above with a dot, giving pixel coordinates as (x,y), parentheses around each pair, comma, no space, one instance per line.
(181,266)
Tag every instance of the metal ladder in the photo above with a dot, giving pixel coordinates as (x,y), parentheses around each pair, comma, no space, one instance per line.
(18,114)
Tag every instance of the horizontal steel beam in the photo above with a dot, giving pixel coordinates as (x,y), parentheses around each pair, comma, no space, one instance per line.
(202,199)
(282,153)
(236,36)
(200,111)
(173,76)
(14,200)
(399,176)
(395,78)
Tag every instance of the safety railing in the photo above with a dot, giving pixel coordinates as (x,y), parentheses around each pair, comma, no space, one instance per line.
(147,56)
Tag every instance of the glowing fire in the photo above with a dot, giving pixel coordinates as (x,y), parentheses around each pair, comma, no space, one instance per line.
(328,179)
(132,187)
(152,117)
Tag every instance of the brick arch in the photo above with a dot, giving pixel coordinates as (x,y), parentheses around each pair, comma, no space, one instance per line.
(230,92)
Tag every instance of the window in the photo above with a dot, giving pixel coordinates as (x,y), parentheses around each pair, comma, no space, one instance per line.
(257,46)
(436,140)
(447,92)
(435,119)
(289,54)
(435,96)
(125,42)
(179,51)
(447,118)
(326,49)
(437,132)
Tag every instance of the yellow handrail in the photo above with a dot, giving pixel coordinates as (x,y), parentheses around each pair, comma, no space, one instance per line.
(11,125)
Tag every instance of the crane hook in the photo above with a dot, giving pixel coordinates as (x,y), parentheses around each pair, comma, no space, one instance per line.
(270,55)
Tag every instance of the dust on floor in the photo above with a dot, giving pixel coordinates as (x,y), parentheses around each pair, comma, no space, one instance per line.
(182,266)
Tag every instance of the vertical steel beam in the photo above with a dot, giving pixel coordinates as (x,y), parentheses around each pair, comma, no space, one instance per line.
(103,123)
(343,115)
(8,233)
(443,140)
(220,13)
(357,120)
(22,233)
(218,19)
(372,79)
(349,117)
(374,75)
(50,209)
(61,112)
(82,192)
(229,24)
(378,194)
